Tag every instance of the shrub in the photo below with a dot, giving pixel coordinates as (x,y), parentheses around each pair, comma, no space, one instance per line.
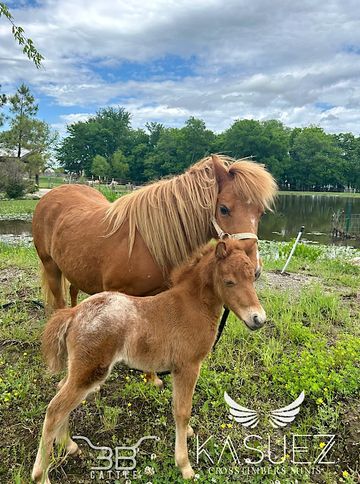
(15,188)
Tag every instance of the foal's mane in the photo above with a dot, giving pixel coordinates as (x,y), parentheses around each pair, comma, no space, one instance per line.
(185,270)
(173,215)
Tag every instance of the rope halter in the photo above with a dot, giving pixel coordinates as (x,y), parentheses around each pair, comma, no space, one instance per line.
(224,235)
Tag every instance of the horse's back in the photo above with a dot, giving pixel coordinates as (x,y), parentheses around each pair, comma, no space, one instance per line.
(66,197)
(64,211)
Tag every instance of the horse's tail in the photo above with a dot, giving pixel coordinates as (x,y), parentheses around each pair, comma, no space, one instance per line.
(48,296)
(54,339)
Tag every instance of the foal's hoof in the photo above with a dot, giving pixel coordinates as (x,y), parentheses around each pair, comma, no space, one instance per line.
(188,472)
(155,380)
(158,383)
(189,432)
(37,476)
(72,448)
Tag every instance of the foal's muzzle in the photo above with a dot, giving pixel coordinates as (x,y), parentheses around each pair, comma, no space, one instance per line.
(256,319)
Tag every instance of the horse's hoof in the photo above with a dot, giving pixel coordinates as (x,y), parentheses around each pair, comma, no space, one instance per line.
(189,432)
(188,472)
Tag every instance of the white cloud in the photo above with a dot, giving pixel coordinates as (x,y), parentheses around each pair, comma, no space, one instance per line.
(255,59)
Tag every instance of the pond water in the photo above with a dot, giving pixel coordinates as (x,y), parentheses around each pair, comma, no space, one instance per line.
(292,211)
(15,231)
(313,211)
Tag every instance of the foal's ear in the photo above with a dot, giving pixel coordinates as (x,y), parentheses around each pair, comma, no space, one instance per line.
(221,250)
(221,173)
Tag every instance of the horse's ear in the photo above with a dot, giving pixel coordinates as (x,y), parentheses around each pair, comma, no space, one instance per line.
(220,250)
(220,170)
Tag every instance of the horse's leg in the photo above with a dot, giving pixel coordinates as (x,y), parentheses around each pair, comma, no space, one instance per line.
(153,378)
(69,397)
(53,279)
(74,291)
(184,383)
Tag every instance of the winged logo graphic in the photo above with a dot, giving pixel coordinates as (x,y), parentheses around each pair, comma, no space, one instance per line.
(278,418)
(247,418)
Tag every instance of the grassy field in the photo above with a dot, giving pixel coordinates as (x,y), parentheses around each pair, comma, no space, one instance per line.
(11,209)
(50,181)
(311,342)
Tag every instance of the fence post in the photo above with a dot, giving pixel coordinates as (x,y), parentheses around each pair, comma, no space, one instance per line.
(293,248)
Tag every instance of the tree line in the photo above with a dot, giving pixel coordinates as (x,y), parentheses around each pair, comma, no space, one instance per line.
(300,159)
(107,146)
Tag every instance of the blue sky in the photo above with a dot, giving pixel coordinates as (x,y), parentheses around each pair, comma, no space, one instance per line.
(166,60)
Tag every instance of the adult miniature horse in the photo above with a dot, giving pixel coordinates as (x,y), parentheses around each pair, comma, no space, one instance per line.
(172,331)
(132,244)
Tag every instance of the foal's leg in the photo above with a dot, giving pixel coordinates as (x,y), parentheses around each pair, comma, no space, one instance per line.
(74,291)
(69,397)
(184,383)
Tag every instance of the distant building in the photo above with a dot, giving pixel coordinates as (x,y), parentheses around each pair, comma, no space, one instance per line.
(6,155)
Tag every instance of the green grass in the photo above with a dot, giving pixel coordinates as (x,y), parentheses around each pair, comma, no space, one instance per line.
(311,342)
(11,209)
(50,181)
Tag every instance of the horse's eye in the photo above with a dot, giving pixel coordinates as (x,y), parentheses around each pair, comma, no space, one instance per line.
(229,283)
(224,210)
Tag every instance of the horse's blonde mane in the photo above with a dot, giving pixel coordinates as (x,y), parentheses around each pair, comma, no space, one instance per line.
(173,216)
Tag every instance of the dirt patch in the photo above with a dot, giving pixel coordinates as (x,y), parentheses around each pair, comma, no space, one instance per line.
(286,281)
(349,442)
(10,274)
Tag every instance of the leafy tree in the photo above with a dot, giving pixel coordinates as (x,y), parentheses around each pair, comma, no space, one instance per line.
(197,140)
(155,130)
(349,147)
(315,159)
(23,108)
(177,149)
(264,141)
(18,33)
(100,167)
(41,143)
(139,147)
(166,156)
(119,166)
(102,134)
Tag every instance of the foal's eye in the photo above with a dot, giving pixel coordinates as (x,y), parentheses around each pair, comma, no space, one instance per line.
(229,283)
(224,210)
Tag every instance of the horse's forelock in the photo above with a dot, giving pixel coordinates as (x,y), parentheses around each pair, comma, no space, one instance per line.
(253,182)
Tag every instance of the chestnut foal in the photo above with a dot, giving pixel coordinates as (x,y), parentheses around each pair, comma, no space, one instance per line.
(173,330)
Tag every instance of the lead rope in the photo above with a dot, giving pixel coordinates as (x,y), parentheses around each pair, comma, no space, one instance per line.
(221,326)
